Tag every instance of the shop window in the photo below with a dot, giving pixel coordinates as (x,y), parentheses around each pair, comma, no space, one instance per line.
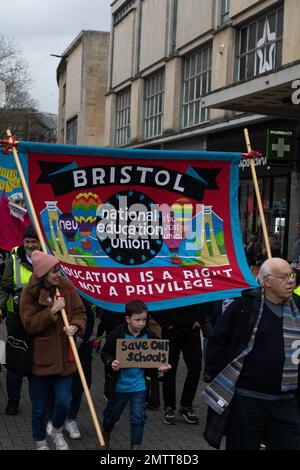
(274,193)
(279,209)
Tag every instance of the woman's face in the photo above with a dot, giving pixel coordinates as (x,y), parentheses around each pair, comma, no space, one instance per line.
(53,276)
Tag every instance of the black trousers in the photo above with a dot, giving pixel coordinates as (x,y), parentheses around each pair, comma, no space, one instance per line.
(189,343)
(85,353)
(253,421)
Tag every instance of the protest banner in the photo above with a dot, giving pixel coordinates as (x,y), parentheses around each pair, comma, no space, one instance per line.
(161,226)
(10,181)
(142,353)
(13,213)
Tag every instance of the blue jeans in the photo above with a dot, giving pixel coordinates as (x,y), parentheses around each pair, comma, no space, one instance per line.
(39,388)
(115,408)
(85,356)
(13,385)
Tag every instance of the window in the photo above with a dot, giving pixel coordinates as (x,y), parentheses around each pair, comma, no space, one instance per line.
(72,131)
(123,117)
(224,11)
(196,84)
(274,192)
(260,45)
(154,104)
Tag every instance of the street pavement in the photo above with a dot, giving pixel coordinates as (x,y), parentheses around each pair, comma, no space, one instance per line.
(15,431)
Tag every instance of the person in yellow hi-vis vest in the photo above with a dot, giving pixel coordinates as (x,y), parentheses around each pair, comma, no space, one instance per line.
(297,290)
(16,275)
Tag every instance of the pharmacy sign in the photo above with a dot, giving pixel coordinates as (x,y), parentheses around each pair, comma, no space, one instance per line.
(280,144)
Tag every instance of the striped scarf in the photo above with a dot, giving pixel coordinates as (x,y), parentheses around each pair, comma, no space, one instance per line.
(220,391)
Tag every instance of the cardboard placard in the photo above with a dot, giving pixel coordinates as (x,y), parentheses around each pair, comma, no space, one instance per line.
(142,353)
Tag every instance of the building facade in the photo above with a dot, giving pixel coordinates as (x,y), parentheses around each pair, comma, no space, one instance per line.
(192,74)
(82,81)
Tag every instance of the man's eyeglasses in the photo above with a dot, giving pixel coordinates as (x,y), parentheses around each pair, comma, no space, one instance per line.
(285,277)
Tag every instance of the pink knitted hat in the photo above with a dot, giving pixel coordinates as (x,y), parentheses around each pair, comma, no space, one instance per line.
(42,263)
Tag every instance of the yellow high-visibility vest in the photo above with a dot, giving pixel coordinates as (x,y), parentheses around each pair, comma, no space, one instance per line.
(297,290)
(21,279)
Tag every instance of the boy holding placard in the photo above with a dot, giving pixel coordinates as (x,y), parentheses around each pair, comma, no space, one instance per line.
(127,384)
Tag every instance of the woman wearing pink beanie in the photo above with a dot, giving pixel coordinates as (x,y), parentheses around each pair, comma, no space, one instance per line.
(52,366)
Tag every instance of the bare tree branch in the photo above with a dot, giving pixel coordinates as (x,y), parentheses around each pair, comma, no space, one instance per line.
(14,73)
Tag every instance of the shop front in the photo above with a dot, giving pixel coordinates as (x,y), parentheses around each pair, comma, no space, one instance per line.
(277,141)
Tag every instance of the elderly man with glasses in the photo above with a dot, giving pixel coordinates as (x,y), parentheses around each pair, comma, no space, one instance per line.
(253,357)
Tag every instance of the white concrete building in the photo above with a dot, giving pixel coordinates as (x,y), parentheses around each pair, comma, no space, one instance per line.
(191,74)
(82,81)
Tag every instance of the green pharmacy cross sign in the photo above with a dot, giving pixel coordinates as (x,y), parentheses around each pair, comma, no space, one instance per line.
(280,144)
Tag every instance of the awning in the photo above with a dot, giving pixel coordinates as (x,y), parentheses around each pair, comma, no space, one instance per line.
(269,94)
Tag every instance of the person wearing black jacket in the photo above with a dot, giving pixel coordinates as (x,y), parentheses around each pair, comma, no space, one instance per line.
(108,322)
(3,257)
(127,385)
(181,326)
(253,359)
(212,313)
(16,274)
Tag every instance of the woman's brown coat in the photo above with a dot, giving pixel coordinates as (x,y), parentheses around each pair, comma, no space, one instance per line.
(51,346)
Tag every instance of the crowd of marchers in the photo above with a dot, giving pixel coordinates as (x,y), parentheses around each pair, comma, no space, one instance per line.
(249,355)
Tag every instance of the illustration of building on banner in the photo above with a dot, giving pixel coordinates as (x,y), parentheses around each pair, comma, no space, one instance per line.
(55,235)
(204,243)
(209,243)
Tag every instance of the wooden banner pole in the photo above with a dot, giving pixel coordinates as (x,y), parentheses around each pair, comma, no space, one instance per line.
(258,197)
(63,312)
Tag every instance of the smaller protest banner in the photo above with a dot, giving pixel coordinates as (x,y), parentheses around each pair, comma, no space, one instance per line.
(10,181)
(142,353)
(13,221)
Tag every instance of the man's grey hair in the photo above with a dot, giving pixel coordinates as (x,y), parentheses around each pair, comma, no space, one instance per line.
(263,272)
